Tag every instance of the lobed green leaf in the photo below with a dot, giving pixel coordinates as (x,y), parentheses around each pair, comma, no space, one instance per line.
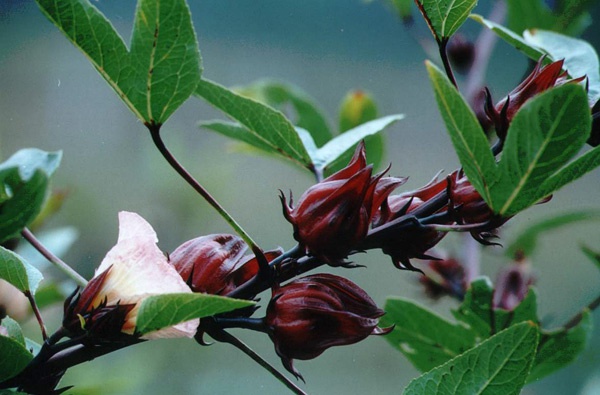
(499,365)
(468,138)
(161,311)
(163,67)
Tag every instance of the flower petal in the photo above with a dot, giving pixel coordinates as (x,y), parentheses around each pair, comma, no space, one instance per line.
(140,269)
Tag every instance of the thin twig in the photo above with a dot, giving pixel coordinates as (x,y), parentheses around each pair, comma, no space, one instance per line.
(593,305)
(234,341)
(38,315)
(56,261)
(442,45)
(178,167)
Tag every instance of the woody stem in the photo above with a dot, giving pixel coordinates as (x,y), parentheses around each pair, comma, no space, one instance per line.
(56,261)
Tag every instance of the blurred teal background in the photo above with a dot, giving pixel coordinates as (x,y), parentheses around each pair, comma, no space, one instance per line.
(51,98)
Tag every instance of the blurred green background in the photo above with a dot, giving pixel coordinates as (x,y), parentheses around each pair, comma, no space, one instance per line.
(52,98)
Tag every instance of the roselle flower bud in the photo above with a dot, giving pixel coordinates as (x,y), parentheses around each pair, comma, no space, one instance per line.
(444,277)
(310,314)
(540,80)
(215,264)
(512,286)
(132,270)
(333,216)
(461,53)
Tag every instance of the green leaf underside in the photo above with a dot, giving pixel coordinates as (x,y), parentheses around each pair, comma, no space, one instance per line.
(526,241)
(24,181)
(280,95)
(499,365)
(161,311)
(444,17)
(510,37)
(264,123)
(17,272)
(559,348)
(580,57)
(15,357)
(424,338)
(466,134)
(162,68)
(336,147)
(546,133)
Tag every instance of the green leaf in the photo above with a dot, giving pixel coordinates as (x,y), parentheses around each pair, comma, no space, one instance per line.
(15,357)
(23,185)
(19,273)
(574,170)
(560,347)
(162,68)
(510,37)
(9,392)
(14,330)
(476,309)
(526,241)
(345,141)
(544,135)
(468,138)
(261,121)
(567,16)
(161,311)
(425,338)
(499,365)
(444,17)
(283,96)
(528,14)
(237,132)
(580,57)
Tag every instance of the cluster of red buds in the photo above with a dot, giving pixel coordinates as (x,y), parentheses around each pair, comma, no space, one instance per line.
(350,211)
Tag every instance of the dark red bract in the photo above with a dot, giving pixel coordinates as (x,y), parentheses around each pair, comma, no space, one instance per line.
(313,313)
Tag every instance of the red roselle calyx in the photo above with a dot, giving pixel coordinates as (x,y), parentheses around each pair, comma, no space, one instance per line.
(310,314)
(215,264)
(333,217)
(540,80)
